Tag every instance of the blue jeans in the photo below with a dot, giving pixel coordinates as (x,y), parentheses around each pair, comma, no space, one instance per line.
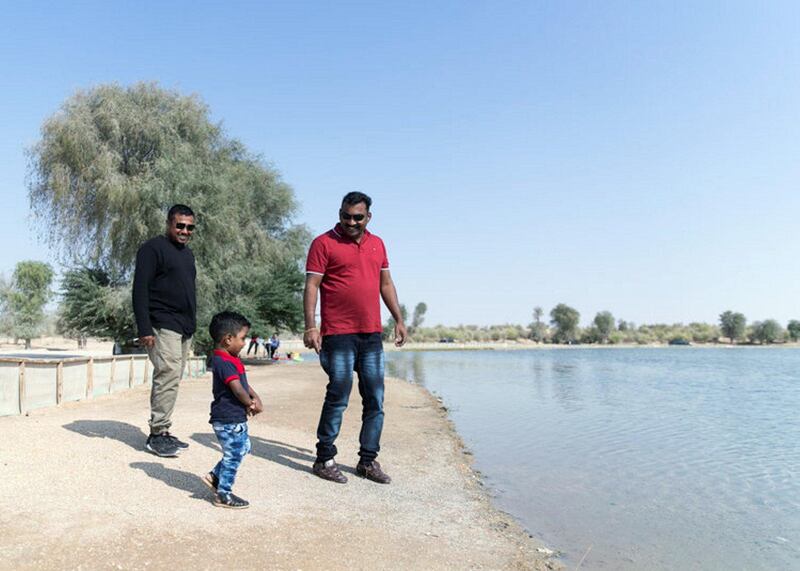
(339,357)
(235,445)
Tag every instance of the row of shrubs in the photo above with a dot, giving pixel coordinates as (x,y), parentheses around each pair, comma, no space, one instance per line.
(765,332)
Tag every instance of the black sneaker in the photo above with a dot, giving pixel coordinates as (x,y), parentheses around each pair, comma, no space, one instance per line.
(230,501)
(174,439)
(162,446)
(211,480)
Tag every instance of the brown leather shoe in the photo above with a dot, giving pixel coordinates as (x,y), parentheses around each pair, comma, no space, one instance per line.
(328,470)
(372,471)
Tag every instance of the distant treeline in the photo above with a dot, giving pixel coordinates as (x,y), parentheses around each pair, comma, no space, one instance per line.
(563,328)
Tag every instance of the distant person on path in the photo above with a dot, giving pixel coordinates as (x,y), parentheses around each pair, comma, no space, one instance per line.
(234,400)
(273,345)
(253,343)
(350,268)
(165,305)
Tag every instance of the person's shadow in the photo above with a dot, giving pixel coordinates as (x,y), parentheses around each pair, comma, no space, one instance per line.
(177,479)
(122,431)
(135,438)
(272,450)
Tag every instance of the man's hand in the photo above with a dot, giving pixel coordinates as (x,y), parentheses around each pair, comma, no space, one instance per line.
(313,340)
(400,334)
(147,340)
(257,405)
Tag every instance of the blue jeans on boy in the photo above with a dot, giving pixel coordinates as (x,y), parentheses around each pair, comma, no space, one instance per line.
(339,357)
(235,445)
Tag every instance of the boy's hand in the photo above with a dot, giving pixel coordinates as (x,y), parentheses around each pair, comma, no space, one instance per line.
(255,407)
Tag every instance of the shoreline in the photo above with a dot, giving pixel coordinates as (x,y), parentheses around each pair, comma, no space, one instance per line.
(436,514)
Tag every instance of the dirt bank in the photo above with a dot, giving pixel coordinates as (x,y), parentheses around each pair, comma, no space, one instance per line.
(78,491)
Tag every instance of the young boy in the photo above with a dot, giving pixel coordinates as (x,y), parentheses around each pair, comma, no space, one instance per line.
(234,400)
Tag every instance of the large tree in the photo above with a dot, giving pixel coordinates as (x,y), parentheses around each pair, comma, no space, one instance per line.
(565,319)
(793,328)
(538,329)
(733,325)
(766,332)
(604,322)
(95,304)
(24,298)
(419,316)
(113,159)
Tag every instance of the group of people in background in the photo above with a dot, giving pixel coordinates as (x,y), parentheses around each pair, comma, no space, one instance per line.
(269,346)
(347,267)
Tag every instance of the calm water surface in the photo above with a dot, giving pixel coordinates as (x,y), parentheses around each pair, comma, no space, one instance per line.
(679,458)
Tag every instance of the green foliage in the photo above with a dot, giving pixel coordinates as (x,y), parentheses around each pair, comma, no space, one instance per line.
(94,305)
(793,328)
(565,319)
(24,299)
(111,162)
(472,333)
(766,332)
(604,322)
(733,325)
(270,298)
(702,332)
(538,329)
(616,337)
(590,335)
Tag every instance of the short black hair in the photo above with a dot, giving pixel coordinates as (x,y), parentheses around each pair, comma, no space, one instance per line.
(226,323)
(179,209)
(353,198)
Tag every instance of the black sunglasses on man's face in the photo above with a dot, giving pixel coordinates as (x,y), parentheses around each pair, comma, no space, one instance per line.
(356,217)
(182,225)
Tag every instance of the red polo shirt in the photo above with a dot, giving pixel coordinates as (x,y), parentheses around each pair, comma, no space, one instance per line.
(351,281)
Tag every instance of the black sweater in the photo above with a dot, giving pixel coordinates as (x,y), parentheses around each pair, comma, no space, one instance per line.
(164,287)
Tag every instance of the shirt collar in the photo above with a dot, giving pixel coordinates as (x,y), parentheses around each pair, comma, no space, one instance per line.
(225,356)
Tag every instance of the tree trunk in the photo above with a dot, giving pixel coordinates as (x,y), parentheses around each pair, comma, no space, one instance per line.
(27,343)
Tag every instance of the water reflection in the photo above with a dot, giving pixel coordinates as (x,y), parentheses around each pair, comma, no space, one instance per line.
(567,385)
(409,366)
(418,367)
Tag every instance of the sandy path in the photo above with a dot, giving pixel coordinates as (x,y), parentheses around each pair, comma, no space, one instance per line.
(78,492)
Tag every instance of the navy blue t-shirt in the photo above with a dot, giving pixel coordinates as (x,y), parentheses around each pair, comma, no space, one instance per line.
(225,407)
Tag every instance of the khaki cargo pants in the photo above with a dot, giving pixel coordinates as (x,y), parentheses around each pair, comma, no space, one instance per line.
(168,355)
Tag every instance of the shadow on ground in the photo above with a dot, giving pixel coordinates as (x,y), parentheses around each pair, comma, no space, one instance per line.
(284,454)
(122,431)
(178,479)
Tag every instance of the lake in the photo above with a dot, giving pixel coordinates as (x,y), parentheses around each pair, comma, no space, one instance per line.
(655,458)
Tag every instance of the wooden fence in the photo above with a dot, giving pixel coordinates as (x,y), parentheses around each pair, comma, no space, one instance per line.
(28,384)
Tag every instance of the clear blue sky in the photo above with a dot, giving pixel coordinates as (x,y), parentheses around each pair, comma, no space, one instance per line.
(641,158)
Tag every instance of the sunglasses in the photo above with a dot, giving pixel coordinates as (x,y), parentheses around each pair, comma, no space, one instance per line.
(181,226)
(356,217)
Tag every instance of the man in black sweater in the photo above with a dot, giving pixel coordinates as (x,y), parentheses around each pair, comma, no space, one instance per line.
(165,305)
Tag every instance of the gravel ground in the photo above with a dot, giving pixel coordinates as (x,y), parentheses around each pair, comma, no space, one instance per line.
(79,492)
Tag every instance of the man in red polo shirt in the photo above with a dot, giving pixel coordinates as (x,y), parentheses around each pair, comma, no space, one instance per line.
(348,265)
